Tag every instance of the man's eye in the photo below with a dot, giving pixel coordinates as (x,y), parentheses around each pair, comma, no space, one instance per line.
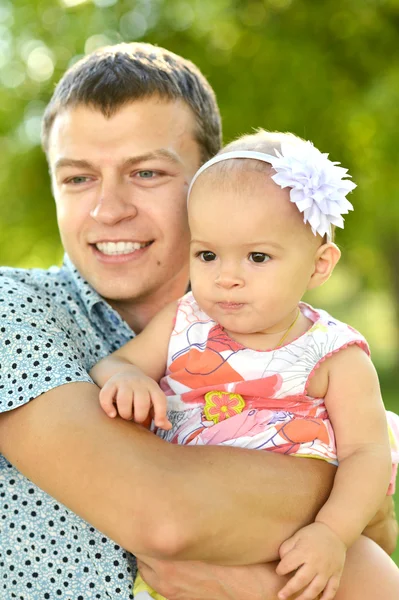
(258,257)
(77,180)
(207,256)
(146,174)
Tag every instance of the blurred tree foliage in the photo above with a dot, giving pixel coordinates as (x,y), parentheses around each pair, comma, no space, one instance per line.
(327,70)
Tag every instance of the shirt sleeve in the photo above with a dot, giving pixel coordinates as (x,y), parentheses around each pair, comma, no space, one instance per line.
(37,352)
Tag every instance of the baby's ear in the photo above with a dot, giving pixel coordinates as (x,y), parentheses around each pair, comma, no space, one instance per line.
(326,258)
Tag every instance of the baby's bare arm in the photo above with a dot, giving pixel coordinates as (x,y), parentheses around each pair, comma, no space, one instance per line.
(317,552)
(358,417)
(128,377)
(146,353)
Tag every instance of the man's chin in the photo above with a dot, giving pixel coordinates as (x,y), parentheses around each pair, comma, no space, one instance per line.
(112,293)
(130,289)
(122,286)
(136,286)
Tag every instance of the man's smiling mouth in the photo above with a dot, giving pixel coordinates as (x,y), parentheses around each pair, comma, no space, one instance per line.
(117,248)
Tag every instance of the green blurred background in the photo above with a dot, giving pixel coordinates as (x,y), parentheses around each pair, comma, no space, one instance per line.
(328,70)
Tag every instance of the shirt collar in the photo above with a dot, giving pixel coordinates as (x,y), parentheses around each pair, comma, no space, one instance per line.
(88,294)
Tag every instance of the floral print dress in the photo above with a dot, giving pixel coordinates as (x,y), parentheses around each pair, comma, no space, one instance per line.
(220,392)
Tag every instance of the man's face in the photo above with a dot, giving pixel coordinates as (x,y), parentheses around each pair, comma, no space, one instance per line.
(120,187)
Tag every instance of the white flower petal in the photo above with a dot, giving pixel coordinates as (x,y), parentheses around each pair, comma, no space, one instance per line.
(318,185)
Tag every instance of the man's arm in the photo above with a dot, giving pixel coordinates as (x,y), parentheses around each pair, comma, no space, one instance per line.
(368,574)
(222,505)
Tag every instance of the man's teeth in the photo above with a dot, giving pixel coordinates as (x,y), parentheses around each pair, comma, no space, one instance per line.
(119,247)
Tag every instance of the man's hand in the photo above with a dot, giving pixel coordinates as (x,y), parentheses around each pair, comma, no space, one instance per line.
(317,555)
(201,581)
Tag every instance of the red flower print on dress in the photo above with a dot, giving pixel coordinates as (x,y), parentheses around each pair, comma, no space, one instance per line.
(198,368)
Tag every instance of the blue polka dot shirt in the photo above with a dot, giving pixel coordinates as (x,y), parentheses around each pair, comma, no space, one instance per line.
(53,328)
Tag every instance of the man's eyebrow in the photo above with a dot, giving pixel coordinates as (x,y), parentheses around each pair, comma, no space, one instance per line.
(163,153)
(72,162)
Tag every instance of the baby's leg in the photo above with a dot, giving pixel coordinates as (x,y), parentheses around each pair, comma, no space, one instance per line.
(369,574)
(383,529)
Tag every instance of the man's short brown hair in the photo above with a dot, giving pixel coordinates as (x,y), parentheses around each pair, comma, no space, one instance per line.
(113,76)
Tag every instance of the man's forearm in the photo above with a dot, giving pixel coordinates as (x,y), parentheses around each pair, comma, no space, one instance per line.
(222,505)
(254,501)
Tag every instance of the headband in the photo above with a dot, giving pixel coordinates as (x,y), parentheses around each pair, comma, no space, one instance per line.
(318,185)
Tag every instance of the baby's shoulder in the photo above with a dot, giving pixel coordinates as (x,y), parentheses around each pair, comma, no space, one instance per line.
(330,335)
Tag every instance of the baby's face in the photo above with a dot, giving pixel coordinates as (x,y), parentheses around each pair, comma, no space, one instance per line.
(251,255)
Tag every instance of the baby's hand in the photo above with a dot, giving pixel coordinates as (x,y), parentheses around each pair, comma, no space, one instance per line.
(134,397)
(317,555)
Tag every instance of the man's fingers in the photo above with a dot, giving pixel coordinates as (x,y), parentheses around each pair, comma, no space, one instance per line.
(147,573)
(106,397)
(298,582)
(157,575)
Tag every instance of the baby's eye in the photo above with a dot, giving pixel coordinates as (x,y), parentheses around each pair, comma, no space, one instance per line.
(258,257)
(206,256)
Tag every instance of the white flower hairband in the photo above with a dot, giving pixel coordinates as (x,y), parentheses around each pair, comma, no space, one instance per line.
(318,185)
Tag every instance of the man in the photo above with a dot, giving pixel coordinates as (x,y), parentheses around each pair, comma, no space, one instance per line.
(125,131)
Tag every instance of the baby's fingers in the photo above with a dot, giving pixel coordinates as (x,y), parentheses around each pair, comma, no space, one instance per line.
(106,398)
(287,546)
(124,401)
(160,405)
(312,591)
(142,405)
(290,562)
(331,588)
(298,582)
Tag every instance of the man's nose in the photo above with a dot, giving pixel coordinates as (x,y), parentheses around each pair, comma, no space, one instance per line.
(114,203)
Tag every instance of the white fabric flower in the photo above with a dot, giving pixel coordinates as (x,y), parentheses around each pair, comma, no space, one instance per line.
(318,185)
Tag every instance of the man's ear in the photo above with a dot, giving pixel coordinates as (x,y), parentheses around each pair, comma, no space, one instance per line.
(326,258)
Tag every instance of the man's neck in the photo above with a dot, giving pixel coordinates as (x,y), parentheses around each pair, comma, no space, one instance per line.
(139,313)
